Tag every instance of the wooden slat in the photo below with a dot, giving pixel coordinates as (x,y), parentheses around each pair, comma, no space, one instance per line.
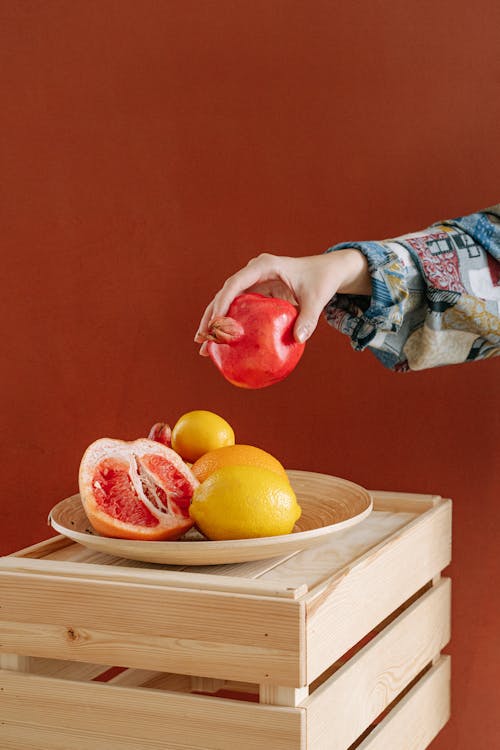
(15,661)
(89,572)
(146,608)
(138,677)
(29,737)
(206,684)
(346,704)
(281,696)
(85,716)
(205,633)
(40,549)
(183,683)
(221,660)
(314,565)
(403,502)
(67,670)
(349,605)
(253,569)
(77,553)
(418,717)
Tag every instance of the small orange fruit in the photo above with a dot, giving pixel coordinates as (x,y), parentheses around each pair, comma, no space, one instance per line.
(235,455)
(198,432)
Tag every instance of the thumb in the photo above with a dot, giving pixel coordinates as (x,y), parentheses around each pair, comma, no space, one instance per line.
(307,320)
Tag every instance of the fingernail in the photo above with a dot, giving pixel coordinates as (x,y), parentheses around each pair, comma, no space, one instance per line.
(302,334)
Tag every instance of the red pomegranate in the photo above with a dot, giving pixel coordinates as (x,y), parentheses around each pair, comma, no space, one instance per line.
(253,346)
(162,433)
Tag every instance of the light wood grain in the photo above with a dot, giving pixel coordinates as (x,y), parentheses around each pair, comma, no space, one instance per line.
(313,566)
(15,661)
(418,717)
(282,696)
(283,576)
(95,573)
(68,670)
(288,573)
(30,737)
(349,605)
(406,502)
(206,684)
(145,651)
(253,569)
(179,683)
(361,689)
(88,716)
(45,547)
(204,633)
(77,553)
(183,683)
(67,613)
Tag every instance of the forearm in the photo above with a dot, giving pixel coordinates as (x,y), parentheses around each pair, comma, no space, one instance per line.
(356,277)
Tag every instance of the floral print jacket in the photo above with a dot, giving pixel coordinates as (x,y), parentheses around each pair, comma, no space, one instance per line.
(435,295)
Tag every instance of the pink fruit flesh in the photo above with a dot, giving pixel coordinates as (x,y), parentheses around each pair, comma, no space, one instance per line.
(116,495)
(175,482)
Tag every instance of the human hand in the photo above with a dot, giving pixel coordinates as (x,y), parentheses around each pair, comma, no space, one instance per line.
(308,282)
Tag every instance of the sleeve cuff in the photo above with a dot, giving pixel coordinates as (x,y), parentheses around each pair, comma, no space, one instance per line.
(397,288)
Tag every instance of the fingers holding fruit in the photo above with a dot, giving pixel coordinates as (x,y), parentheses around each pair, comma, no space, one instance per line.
(262,274)
(255,343)
(308,282)
(260,270)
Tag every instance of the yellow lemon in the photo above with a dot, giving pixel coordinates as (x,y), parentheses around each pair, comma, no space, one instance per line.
(235,455)
(198,432)
(242,502)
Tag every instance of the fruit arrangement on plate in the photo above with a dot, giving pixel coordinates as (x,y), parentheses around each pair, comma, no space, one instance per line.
(157,488)
(194,482)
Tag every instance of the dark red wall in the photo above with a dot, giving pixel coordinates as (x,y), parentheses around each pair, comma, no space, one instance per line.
(151,148)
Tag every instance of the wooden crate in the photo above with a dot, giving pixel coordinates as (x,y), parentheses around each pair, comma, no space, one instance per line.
(333,648)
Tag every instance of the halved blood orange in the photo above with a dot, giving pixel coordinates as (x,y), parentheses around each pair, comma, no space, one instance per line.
(136,490)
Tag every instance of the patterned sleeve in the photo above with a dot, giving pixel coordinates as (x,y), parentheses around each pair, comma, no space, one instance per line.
(435,295)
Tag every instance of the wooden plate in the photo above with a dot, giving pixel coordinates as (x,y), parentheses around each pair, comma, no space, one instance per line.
(329,505)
